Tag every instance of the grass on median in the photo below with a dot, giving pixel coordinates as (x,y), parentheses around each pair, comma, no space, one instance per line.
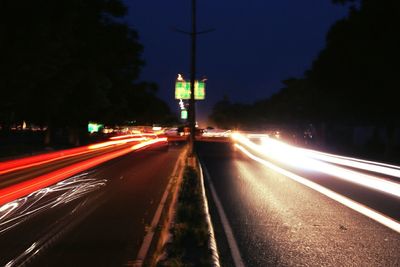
(189,246)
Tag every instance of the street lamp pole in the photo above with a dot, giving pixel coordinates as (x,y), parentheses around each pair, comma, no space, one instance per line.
(192,108)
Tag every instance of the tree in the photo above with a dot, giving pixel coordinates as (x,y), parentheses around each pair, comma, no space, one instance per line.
(359,66)
(67,62)
(354,78)
(229,115)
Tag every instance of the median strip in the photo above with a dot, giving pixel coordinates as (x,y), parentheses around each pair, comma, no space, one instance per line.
(191,241)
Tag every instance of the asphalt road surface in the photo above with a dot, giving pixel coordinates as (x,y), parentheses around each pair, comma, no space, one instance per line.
(96,218)
(17,176)
(279,222)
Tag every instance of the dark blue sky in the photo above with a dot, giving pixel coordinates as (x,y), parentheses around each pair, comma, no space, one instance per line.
(256,44)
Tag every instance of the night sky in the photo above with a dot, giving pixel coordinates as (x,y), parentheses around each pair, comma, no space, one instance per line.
(256,44)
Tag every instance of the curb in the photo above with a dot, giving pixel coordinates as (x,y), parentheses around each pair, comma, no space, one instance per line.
(168,221)
(212,243)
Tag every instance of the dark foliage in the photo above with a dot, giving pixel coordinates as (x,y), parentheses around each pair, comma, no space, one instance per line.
(356,72)
(353,81)
(351,85)
(231,115)
(66,62)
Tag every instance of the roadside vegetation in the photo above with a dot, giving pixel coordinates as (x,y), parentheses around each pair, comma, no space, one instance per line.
(189,244)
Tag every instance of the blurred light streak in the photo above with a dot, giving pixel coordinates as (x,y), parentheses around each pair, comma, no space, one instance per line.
(217,133)
(370,213)
(150,142)
(378,167)
(26,252)
(138,136)
(14,213)
(24,188)
(256,135)
(19,164)
(367,165)
(296,157)
(114,142)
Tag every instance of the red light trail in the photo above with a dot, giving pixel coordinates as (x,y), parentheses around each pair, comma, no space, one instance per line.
(19,164)
(16,191)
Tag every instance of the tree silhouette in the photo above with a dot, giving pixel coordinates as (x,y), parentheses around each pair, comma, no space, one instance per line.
(67,62)
(353,81)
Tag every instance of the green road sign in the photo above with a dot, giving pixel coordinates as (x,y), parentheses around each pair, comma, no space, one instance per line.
(184,114)
(199,90)
(182,90)
(94,127)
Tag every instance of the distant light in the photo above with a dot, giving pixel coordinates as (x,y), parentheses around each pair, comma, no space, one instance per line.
(156,128)
(184,114)
(108,130)
(181,104)
(94,127)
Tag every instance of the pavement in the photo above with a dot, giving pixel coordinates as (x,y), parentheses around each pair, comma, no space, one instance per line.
(277,221)
(96,218)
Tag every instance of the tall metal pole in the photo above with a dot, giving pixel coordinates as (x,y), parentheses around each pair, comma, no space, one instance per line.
(192,108)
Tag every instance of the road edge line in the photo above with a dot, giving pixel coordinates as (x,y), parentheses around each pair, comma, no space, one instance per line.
(237,258)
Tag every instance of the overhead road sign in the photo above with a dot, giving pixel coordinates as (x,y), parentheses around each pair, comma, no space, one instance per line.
(182,90)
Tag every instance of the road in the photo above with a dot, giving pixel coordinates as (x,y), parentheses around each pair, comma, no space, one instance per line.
(277,221)
(97,217)
(41,167)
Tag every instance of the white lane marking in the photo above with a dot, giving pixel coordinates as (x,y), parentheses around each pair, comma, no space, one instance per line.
(144,248)
(237,258)
(370,213)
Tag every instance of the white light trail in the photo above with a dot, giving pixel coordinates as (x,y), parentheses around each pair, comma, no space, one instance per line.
(16,212)
(370,213)
(138,137)
(382,168)
(301,158)
(149,142)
